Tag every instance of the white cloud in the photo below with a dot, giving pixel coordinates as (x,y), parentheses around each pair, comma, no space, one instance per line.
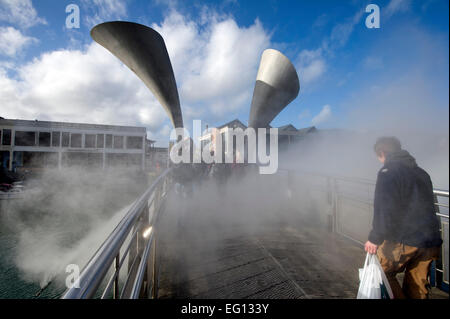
(215,66)
(323,116)
(111,7)
(342,31)
(20,13)
(89,86)
(150,116)
(396,6)
(12,41)
(310,65)
(183,41)
(215,61)
(165,131)
(104,10)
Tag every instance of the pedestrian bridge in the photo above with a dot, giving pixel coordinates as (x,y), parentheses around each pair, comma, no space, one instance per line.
(289,235)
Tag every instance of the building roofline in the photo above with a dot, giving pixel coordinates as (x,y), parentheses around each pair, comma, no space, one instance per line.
(18,122)
(287,126)
(230,122)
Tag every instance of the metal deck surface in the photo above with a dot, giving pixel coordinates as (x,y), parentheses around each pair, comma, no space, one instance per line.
(209,248)
(208,257)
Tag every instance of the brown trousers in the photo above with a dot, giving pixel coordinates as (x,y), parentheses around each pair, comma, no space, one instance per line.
(415,262)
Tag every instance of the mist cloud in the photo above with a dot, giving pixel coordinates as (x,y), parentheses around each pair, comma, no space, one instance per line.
(64,217)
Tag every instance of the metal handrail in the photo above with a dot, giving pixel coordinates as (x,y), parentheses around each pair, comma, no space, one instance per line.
(343,178)
(114,277)
(335,195)
(437,192)
(137,284)
(440,192)
(97,268)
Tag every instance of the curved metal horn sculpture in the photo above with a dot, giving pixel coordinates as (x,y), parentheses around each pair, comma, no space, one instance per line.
(277,85)
(142,49)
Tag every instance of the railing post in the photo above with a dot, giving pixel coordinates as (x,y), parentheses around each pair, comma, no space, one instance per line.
(149,221)
(109,253)
(334,196)
(154,267)
(435,279)
(116,280)
(330,203)
(156,200)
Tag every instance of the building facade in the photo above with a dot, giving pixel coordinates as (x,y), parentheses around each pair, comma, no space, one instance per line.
(156,157)
(41,144)
(287,135)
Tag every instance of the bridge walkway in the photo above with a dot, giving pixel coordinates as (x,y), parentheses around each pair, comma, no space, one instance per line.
(257,237)
(206,257)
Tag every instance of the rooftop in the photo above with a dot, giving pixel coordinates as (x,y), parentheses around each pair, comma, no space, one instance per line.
(288,129)
(83,126)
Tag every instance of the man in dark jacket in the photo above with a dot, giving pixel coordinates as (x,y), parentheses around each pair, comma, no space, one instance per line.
(405,229)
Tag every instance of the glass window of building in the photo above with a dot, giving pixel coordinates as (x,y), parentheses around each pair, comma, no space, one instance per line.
(6,137)
(89,140)
(100,140)
(118,141)
(25,138)
(56,139)
(108,142)
(44,138)
(75,140)
(65,139)
(134,142)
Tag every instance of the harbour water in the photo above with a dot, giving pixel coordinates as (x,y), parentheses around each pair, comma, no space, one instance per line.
(13,282)
(62,219)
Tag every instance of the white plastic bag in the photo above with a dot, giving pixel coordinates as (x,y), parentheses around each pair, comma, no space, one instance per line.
(373,280)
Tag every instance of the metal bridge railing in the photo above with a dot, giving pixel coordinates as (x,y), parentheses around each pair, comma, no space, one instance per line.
(442,267)
(351,211)
(133,240)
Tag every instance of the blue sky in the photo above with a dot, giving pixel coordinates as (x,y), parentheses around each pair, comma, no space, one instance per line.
(353,77)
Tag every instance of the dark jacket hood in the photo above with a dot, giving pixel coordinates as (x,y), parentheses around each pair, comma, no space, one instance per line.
(402,157)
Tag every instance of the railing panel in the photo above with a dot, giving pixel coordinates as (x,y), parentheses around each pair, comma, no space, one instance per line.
(445,255)
(354,219)
(103,274)
(352,209)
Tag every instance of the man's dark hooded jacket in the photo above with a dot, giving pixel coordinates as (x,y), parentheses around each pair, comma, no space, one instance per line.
(404,210)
